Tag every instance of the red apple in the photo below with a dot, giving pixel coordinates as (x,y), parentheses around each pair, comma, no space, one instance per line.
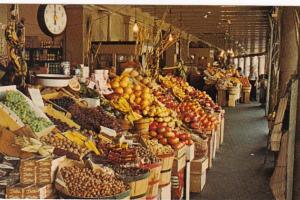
(163,141)
(153,133)
(173,141)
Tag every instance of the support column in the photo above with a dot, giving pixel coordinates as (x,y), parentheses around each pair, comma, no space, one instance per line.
(108,27)
(238,65)
(258,65)
(245,58)
(288,64)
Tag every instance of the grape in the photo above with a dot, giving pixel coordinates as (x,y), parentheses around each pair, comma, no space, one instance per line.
(18,104)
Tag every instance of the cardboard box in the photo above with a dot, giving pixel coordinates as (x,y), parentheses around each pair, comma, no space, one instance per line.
(190,152)
(35,192)
(197,182)
(199,166)
(16,191)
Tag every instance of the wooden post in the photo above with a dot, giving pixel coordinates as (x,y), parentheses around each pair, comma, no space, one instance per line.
(291,140)
(269,64)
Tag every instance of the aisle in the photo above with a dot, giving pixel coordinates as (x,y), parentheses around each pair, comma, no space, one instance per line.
(236,174)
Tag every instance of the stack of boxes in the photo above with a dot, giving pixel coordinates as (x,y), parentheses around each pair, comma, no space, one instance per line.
(36,178)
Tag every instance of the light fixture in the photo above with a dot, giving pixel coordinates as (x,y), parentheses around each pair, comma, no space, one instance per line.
(135,27)
(171,37)
(205,16)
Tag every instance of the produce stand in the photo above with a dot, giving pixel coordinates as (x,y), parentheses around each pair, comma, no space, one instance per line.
(144,145)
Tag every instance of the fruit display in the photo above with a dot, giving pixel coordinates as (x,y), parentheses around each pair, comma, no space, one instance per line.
(245,82)
(62,143)
(64,102)
(19,105)
(194,115)
(204,100)
(122,155)
(133,88)
(127,172)
(166,98)
(86,183)
(158,149)
(93,118)
(86,92)
(62,126)
(164,134)
(146,156)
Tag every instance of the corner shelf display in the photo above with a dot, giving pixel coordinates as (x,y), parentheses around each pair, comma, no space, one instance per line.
(113,53)
(49,57)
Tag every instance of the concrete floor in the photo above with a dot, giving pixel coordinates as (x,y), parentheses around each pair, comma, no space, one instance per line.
(238,172)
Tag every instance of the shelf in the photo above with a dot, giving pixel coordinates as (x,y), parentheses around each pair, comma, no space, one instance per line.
(48,61)
(42,48)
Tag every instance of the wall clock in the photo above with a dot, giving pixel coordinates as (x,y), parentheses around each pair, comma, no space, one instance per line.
(52,19)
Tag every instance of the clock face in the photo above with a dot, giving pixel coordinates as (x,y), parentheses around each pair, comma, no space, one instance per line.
(55,18)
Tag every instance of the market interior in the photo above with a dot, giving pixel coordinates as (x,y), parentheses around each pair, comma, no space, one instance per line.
(149,101)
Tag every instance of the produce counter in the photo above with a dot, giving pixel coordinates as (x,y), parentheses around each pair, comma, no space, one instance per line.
(140,142)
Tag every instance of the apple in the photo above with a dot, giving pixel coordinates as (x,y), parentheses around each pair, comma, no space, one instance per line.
(163,141)
(153,133)
(187,119)
(161,130)
(182,136)
(153,126)
(169,134)
(159,136)
(173,141)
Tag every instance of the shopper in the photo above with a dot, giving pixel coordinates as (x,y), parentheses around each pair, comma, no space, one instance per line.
(253,81)
(239,69)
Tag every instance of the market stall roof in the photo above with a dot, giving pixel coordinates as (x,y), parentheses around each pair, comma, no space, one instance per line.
(243,28)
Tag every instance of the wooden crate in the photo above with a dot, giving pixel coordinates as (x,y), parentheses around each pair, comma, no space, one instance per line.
(190,152)
(197,182)
(222,126)
(214,144)
(179,164)
(210,150)
(187,180)
(165,192)
(221,98)
(199,166)
(232,100)
(246,97)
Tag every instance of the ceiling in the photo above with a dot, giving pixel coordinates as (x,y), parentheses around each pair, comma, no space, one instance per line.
(243,28)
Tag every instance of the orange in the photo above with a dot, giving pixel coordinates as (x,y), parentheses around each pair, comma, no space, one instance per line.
(119,90)
(138,100)
(115,84)
(128,90)
(138,93)
(137,87)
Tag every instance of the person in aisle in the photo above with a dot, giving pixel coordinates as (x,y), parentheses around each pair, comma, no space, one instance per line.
(253,81)
(239,69)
